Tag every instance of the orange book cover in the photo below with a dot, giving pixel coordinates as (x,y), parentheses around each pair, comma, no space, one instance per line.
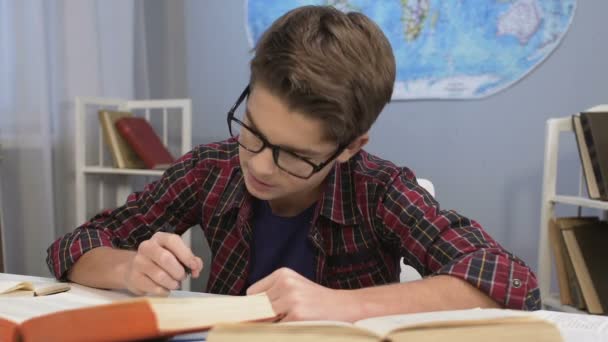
(145,142)
(137,319)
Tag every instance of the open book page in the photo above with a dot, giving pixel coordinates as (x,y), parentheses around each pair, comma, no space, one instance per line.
(329,331)
(28,288)
(178,314)
(475,325)
(385,324)
(577,327)
(19,309)
(325,328)
(8,286)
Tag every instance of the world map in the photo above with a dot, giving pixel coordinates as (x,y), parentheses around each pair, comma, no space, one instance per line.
(451,49)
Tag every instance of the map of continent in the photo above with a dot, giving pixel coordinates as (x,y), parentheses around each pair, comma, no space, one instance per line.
(449,49)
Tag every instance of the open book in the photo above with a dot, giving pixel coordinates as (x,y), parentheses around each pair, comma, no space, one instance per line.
(14,288)
(481,325)
(127,320)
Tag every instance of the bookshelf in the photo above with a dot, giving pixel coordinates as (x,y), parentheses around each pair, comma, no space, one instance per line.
(100,185)
(553,130)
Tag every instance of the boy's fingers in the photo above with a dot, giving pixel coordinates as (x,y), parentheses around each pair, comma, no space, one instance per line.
(178,248)
(262,285)
(196,272)
(169,263)
(142,284)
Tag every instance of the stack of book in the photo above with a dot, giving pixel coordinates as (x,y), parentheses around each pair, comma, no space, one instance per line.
(248,318)
(132,141)
(579,244)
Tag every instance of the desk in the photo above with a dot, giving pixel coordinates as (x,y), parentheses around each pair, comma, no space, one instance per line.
(81,296)
(103,296)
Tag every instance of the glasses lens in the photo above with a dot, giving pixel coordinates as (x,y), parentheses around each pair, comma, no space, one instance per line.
(235,128)
(294,165)
(246,138)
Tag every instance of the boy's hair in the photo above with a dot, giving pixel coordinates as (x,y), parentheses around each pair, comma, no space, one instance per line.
(334,66)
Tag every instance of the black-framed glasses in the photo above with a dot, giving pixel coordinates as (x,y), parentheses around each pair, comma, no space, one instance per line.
(288,161)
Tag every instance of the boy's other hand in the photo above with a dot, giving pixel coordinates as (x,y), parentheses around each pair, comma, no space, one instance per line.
(296,298)
(159,265)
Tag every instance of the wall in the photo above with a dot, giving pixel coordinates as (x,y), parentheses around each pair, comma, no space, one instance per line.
(484,156)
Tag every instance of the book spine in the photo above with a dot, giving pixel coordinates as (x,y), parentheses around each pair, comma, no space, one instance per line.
(581,145)
(603,192)
(583,276)
(111,140)
(560,263)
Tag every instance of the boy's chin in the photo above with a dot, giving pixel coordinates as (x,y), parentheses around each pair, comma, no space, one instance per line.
(262,195)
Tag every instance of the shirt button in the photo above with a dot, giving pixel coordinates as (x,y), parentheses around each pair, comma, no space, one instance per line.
(516,283)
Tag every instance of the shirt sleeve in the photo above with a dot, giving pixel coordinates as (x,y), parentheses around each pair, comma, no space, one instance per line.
(436,241)
(170,204)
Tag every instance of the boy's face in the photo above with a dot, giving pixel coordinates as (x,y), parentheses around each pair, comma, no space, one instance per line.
(269,117)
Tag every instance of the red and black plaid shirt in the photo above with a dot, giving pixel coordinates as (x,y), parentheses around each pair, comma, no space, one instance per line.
(371,213)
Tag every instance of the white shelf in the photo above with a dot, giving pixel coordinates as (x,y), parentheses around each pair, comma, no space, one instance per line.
(580,201)
(550,198)
(116,171)
(94,194)
(553,302)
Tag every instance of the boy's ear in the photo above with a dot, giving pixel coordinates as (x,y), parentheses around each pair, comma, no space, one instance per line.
(353,148)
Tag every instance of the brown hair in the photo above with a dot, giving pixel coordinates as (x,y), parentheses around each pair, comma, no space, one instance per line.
(334,66)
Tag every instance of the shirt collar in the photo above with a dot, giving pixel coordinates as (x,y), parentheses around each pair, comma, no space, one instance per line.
(338,201)
(234,194)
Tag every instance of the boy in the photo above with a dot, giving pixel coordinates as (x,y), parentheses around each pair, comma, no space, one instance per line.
(292,206)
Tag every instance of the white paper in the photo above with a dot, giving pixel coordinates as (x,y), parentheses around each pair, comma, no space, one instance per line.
(577,327)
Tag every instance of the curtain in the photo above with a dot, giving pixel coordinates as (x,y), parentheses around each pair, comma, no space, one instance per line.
(50,52)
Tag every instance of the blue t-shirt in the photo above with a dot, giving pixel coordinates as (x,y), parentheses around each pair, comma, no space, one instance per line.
(280,242)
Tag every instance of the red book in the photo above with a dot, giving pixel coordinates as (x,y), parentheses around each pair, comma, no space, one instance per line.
(145,142)
(129,319)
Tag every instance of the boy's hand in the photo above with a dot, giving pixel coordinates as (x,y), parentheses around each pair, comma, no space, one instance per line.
(296,298)
(160,264)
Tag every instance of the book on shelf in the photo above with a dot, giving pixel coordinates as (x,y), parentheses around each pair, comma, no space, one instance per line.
(143,139)
(586,245)
(569,288)
(127,320)
(591,130)
(14,288)
(123,156)
(496,325)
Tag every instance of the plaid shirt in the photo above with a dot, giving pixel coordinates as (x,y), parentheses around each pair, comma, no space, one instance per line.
(371,213)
